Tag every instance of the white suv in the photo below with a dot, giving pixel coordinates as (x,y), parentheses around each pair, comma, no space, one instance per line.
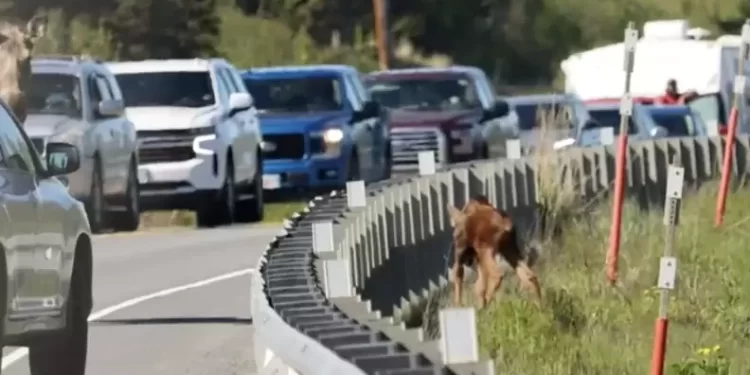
(199,138)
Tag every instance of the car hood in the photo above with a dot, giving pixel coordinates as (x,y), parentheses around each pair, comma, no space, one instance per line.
(275,123)
(44,125)
(401,118)
(162,118)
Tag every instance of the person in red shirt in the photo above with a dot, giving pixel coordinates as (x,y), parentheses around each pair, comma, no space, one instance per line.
(672,95)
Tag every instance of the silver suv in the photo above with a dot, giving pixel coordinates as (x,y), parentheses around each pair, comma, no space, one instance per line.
(77,100)
(46,293)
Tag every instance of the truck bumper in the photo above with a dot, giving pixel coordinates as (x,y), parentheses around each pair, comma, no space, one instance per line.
(183,184)
(285,175)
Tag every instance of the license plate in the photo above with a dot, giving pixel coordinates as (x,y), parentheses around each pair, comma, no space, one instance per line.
(143,176)
(271,181)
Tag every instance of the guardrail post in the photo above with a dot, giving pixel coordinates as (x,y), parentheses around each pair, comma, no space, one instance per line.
(338,278)
(458,335)
(356,196)
(427,165)
(607,136)
(513,149)
(668,265)
(626,110)
(323,237)
(739,92)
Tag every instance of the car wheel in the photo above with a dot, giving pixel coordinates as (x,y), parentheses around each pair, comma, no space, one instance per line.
(130,219)
(95,203)
(223,211)
(64,353)
(252,210)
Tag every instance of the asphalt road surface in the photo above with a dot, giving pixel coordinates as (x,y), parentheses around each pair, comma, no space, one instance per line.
(170,302)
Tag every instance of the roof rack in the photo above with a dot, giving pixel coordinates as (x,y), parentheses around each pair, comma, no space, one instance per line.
(74,58)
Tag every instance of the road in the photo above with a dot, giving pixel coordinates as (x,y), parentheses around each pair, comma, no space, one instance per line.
(200,329)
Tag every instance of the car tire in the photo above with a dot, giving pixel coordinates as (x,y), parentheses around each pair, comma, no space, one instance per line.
(223,210)
(130,219)
(252,210)
(95,202)
(65,353)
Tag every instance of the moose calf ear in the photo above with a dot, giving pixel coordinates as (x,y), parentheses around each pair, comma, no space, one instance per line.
(36,27)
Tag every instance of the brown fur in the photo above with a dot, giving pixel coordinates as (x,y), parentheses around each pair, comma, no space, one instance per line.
(480,233)
(16,46)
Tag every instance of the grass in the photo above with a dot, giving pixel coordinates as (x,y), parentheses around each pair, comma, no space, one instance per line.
(275,213)
(587,327)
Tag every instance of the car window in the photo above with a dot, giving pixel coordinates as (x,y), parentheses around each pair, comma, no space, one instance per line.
(54,94)
(297,94)
(426,93)
(531,115)
(16,152)
(95,94)
(677,124)
(610,118)
(355,97)
(228,81)
(708,108)
(104,89)
(222,86)
(172,89)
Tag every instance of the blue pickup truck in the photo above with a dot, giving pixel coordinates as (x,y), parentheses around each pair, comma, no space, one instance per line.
(320,127)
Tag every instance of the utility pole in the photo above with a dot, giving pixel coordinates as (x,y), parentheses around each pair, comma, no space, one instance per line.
(380,11)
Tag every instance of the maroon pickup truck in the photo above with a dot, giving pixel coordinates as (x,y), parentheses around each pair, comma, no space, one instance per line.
(452,111)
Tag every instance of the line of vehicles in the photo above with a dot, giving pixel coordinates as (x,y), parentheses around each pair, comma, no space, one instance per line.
(201,135)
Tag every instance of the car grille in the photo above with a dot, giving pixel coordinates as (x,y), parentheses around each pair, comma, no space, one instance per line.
(407,143)
(164,146)
(39,145)
(284,146)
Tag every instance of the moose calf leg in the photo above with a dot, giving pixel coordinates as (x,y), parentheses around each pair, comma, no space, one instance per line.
(457,278)
(480,286)
(494,277)
(529,279)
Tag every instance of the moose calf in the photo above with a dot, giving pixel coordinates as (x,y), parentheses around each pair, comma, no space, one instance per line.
(481,232)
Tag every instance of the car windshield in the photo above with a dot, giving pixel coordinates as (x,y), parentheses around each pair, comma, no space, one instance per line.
(57,94)
(609,118)
(296,95)
(425,93)
(170,89)
(677,124)
(708,108)
(531,115)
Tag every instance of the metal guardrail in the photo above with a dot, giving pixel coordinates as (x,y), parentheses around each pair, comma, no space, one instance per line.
(332,290)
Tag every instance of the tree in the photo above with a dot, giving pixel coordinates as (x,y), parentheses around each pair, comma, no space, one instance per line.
(164,28)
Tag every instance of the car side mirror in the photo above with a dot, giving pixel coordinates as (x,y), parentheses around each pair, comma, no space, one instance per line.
(239,101)
(500,109)
(110,108)
(370,109)
(659,132)
(62,159)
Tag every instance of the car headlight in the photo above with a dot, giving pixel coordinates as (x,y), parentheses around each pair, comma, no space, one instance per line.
(333,135)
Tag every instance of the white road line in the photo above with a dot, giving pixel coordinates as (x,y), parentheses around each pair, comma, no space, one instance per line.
(20,353)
